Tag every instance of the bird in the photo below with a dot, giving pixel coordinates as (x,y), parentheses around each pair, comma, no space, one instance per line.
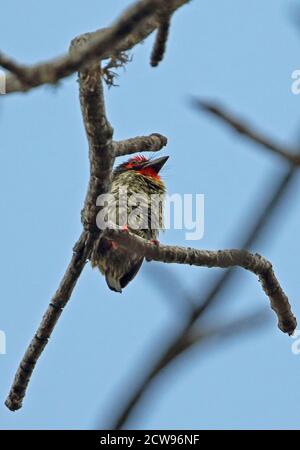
(139,178)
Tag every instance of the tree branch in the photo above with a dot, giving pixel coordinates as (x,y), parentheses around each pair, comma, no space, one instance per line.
(133,26)
(242,128)
(19,71)
(101,155)
(152,143)
(99,134)
(222,259)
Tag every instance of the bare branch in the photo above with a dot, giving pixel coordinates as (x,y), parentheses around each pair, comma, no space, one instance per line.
(101,155)
(18,70)
(134,25)
(99,134)
(223,259)
(152,143)
(242,128)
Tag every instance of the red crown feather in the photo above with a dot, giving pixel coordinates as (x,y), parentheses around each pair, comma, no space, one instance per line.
(147,171)
(138,159)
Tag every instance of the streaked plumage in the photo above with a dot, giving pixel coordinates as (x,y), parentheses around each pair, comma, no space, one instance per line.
(139,176)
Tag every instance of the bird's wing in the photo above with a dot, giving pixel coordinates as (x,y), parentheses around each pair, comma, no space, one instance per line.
(131,273)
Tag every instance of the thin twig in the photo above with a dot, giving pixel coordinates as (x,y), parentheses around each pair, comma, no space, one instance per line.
(247,131)
(18,70)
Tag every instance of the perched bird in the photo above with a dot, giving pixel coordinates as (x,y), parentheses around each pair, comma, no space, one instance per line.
(140,214)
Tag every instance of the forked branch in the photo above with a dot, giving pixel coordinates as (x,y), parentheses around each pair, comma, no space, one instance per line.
(101,155)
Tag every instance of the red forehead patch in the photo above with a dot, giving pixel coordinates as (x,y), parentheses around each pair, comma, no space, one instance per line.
(138,159)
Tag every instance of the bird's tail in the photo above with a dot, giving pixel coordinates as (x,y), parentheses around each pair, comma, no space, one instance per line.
(113,283)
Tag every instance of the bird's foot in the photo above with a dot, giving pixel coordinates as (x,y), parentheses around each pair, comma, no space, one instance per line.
(154,242)
(113,244)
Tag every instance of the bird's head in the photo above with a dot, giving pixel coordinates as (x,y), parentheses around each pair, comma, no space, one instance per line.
(143,166)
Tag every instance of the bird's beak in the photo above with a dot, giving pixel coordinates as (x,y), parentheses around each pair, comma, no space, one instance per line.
(156,164)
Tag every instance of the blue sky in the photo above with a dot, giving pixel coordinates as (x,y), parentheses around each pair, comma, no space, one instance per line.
(241,53)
